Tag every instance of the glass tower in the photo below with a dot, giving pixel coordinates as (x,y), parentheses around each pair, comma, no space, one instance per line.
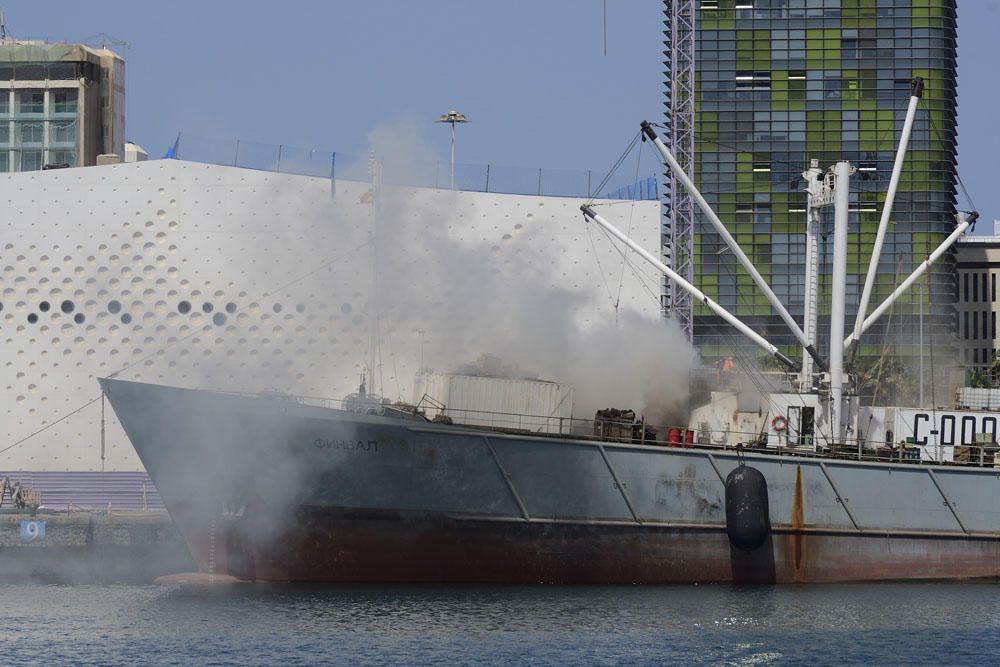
(782,82)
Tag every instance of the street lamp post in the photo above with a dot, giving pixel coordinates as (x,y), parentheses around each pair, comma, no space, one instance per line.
(452,117)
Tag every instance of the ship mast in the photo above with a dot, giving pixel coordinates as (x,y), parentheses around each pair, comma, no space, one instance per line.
(838,303)
(820,193)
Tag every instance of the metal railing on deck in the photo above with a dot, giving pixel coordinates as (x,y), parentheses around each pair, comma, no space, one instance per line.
(640,432)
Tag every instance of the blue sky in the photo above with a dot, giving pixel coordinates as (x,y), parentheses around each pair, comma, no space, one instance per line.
(531,74)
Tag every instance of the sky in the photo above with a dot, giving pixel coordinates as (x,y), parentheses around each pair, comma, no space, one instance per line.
(541,83)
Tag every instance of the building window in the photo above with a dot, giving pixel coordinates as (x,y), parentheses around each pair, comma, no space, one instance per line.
(975,289)
(4,102)
(985,328)
(62,132)
(30,101)
(965,325)
(31,160)
(993,324)
(797,85)
(965,293)
(753,81)
(4,161)
(63,101)
(30,133)
(4,133)
(993,287)
(984,287)
(975,325)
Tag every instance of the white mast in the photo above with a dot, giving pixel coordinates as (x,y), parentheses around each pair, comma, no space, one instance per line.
(588,212)
(720,228)
(915,92)
(817,197)
(842,176)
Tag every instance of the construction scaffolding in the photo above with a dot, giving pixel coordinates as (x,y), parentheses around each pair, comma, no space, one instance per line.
(678,207)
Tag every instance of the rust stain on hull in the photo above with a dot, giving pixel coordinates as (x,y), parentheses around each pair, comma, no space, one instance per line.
(329,547)
(797,522)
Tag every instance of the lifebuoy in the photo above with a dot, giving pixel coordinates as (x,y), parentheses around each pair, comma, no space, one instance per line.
(779,423)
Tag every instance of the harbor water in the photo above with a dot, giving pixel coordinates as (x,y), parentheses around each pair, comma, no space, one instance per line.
(253,624)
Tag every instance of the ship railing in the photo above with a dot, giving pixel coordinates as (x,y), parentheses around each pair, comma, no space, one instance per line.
(640,432)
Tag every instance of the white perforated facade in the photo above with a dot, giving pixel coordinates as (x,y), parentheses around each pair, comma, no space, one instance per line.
(206,276)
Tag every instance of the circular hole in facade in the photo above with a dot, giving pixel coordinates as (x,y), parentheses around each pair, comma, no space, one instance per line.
(32,318)
(300,308)
(126,318)
(345,308)
(230,307)
(1,307)
(79,318)
(206,307)
(114,307)
(44,306)
(219,319)
(277,308)
(66,306)
(184,307)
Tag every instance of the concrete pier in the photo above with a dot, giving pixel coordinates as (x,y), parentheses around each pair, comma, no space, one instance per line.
(85,547)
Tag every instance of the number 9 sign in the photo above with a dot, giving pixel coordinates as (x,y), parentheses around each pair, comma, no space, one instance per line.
(32,531)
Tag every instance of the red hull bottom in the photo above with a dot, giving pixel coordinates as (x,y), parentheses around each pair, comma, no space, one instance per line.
(337,547)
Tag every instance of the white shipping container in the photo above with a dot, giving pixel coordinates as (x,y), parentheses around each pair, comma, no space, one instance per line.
(530,405)
(974,397)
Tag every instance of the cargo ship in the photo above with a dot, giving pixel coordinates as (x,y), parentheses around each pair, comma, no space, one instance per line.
(276,489)
(805,485)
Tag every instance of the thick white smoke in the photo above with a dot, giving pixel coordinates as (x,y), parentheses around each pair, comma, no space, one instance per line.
(470,298)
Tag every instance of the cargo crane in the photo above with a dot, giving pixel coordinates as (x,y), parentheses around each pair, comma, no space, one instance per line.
(832,189)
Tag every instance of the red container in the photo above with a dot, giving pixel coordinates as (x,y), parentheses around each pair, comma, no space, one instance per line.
(674,437)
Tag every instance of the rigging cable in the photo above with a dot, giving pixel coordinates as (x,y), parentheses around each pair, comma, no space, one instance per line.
(600,186)
(628,233)
(51,424)
(590,201)
(631,266)
(600,269)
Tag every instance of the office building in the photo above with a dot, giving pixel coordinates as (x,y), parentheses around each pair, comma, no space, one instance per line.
(60,105)
(781,82)
(977,266)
